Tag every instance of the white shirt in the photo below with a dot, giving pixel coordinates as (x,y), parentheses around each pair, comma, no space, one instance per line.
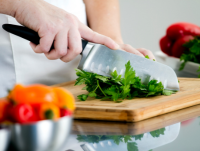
(19,63)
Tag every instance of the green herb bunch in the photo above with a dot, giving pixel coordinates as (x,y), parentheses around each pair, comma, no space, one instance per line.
(193,54)
(116,87)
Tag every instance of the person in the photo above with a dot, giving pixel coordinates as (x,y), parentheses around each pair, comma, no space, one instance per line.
(63,21)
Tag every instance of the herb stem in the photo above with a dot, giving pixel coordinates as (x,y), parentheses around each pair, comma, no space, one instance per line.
(100,87)
(95,88)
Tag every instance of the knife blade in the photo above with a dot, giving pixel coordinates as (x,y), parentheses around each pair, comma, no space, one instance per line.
(97,58)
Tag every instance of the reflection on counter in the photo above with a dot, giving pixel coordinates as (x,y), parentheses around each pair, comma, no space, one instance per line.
(142,142)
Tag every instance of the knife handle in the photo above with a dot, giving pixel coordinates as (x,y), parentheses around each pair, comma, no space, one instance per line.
(29,34)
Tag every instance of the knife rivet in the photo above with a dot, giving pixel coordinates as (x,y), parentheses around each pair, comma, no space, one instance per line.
(92,66)
(99,68)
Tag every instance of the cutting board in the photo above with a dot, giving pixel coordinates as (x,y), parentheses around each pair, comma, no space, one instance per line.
(136,109)
(89,127)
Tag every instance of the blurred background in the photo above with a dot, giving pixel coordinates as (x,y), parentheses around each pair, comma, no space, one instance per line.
(144,22)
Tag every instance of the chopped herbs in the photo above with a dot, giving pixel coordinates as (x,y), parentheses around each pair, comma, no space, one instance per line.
(193,54)
(147,57)
(118,88)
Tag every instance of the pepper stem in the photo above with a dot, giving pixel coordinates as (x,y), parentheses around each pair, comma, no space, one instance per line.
(49,114)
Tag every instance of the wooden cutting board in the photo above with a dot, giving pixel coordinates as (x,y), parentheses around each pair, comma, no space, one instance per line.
(89,127)
(136,109)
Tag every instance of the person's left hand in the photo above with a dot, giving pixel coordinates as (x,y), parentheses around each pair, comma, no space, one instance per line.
(140,51)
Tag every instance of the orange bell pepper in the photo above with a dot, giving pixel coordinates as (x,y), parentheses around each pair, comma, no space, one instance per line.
(32,94)
(65,99)
(48,111)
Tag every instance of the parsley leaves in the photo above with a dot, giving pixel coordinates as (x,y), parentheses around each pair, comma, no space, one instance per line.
(193,54)
(116,87)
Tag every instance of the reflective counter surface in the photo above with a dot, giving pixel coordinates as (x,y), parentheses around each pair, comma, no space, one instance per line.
(175,131)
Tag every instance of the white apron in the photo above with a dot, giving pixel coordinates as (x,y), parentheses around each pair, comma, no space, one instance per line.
(19,63)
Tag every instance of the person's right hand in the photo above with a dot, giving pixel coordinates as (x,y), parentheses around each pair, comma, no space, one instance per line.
(56,25)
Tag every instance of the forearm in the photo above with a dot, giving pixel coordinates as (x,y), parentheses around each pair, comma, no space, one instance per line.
(103,17)
(9,7)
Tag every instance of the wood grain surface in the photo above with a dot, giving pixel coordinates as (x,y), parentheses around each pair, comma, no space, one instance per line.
(136,109)
(88,127)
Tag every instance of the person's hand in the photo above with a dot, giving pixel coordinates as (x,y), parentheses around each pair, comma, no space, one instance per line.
(56,25)
(140,51)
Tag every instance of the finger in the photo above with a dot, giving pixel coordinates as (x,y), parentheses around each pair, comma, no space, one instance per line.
(146,52)
(75,46)
(45,43)
(90,35)
(60,46)
(130,49)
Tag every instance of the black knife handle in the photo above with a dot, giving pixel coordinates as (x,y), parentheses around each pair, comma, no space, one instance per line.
(29,34)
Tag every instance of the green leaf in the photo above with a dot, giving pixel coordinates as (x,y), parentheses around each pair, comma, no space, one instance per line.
(132,146)
(82,97)
(80,82)
(151,87)
(147,57)
(92,94)
(158,132)
(79,72)
(102,78)
(112,91)
(117,78)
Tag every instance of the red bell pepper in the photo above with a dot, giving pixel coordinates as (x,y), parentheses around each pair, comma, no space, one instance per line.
(176,35)
(178,30)
(65,112)
(23,114)
(166,45)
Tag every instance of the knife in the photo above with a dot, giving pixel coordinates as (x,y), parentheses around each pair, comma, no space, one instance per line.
(97,58)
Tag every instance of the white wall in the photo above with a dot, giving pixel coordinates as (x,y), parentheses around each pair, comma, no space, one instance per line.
(144,22)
